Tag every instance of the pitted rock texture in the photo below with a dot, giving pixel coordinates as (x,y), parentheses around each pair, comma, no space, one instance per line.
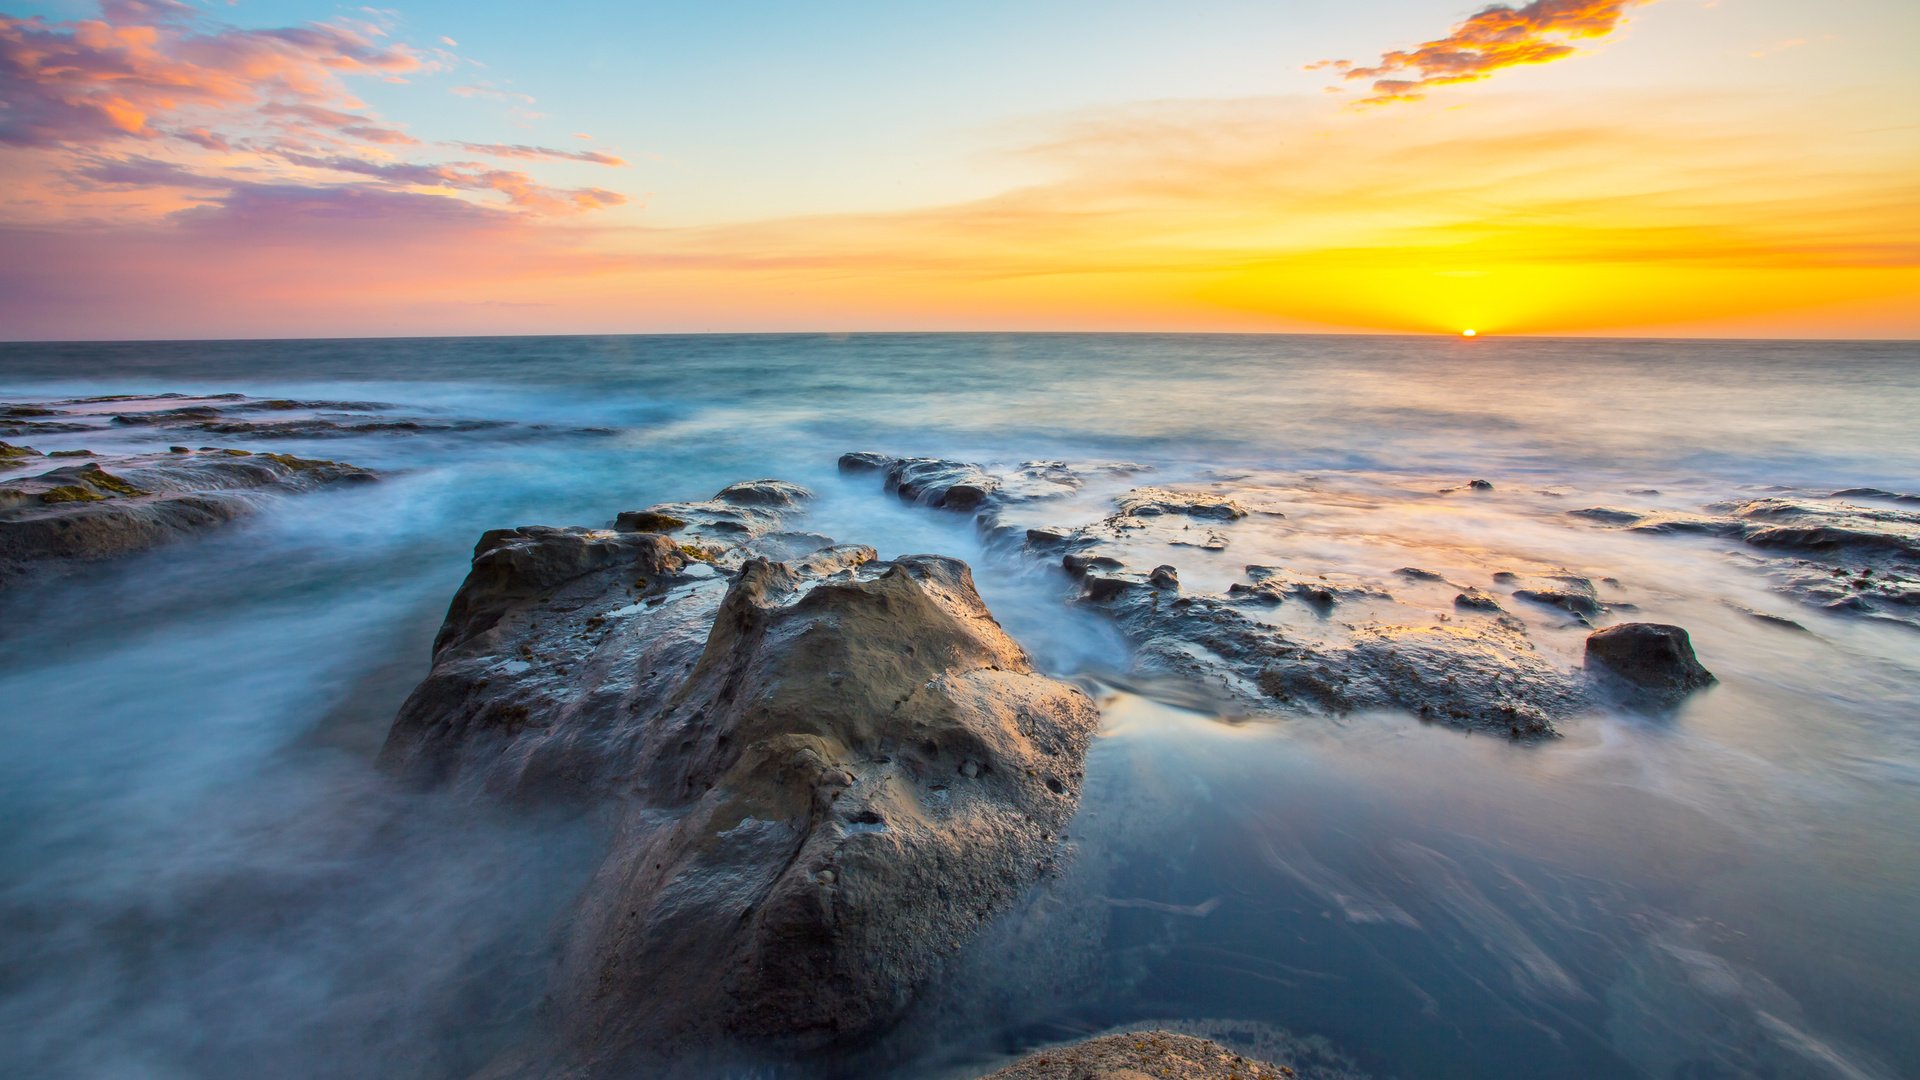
(1140,1055)
(829,772)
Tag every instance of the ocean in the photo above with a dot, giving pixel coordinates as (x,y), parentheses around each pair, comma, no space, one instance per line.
(204,874)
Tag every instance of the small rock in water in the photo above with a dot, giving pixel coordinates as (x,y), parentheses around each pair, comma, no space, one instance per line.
(1476,600)
(1164,577)
(1654,657)
(1480,485)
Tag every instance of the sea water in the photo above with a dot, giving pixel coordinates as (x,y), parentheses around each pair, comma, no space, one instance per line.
(203,873)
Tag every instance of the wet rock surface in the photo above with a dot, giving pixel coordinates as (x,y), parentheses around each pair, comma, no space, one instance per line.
(1288,641)
(1136,1054)
(1651,657)
(829,772)
(1855,551)
(106,505)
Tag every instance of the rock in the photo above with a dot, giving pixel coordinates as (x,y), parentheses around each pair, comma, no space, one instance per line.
(1414,573)
(1568,592)
(12,456)
(1609,515)
(240,416)
(946,485)
(881,728)
(121,504)
(1165,577)
(1321,593)
(1825,550)
(1480,674)
(1152,502)
(1652,657)
(1140,1055)
(735,514)
(826,771)
(1476,600)
(1479,485)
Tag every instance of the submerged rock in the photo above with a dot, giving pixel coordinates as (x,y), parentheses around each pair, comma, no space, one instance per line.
(1140,1054)
(237,416)
(118,504)
(1652,657)
(829,772)
(1825,550)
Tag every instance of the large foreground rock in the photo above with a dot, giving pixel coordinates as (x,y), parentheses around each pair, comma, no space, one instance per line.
(830,771)
(95,506)
(1140,1055)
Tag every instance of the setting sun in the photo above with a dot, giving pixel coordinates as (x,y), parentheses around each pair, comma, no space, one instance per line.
(1467,333)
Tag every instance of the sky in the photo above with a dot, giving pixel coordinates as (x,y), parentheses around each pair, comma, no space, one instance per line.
(270,168)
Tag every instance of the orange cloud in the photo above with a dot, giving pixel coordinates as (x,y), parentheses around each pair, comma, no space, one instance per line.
(1495,37)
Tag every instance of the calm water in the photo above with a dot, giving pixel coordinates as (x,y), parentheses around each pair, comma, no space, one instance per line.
(201,875)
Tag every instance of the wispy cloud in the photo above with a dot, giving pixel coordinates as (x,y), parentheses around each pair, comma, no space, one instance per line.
(1496,37)
(540,153)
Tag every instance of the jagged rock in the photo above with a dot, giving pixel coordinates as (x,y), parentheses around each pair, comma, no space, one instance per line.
(1652,657)
(829,773)
(78,513)
(1164,577)
(1140,1055)
(857,774)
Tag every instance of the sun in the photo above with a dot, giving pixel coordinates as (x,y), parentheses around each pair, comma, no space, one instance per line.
(1469,333)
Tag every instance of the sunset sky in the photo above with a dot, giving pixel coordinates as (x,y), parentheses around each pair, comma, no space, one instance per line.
(1644,167)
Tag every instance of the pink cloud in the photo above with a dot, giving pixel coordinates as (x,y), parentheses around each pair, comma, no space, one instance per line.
(1495,37)
(215,108)
(91,81)
(541,153)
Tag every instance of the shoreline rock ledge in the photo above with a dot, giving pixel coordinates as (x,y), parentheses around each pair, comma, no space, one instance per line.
(829,770)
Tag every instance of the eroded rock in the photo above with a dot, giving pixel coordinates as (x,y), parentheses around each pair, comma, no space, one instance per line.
(114,505)
(829,772)
(1140,1055)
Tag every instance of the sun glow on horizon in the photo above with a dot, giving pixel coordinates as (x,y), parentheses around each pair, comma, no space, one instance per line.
(1469,333)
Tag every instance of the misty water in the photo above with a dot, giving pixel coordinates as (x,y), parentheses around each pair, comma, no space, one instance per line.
(203,873)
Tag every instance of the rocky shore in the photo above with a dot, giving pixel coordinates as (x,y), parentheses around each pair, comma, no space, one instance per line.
(90,506)
(1446,651)
(828,773)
